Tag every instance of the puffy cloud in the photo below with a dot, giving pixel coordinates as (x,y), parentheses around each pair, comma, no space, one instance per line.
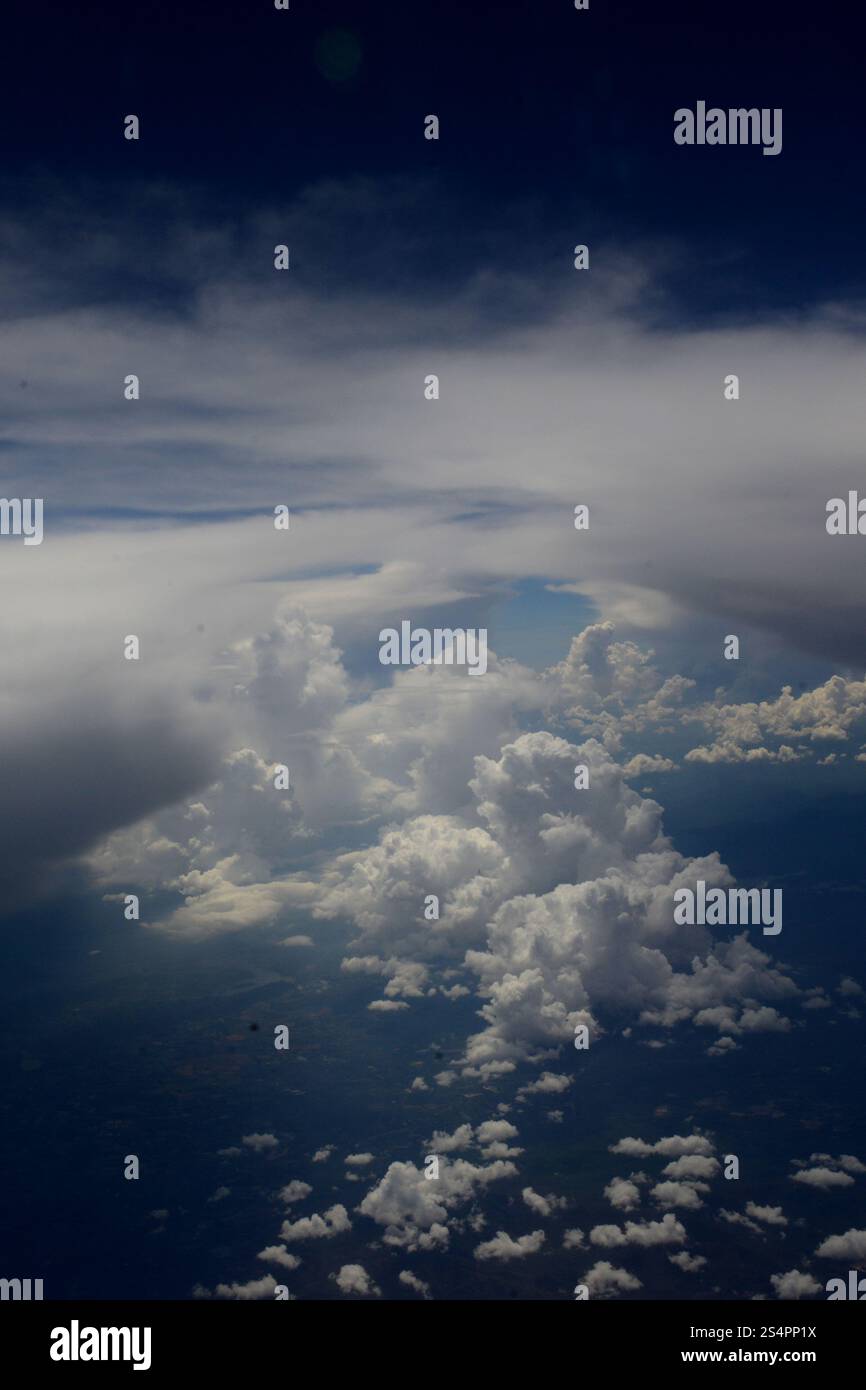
(490,1137)
(560,905)
(411,1281)
(415,1209)
(555,955)
(295,1191)
(548,1083)
(691,1166)
(642,765)
(689,1264)
(260,1143)
(503,1247)
(729,973)
(635,1148)
(824,1165)
(573,1239)
(731,753)
(443,1143)
(544,1206)
(230,852)
(358,1160)
(817,999)
(279,1255)
(322,1155)
(619,693)
(794,1284)
(607,1235)
(334,1222)
(622,1194)
(382,889)
(223,899)
(605,1280)
(491,1130)
(606,686)
(828,712)
(824,1178)
(549,952)
(405,978)
(771,1216)
(498,1147)
(679,1194)
(763,1020)
(355,1279)
(674,1145)
(850,1246)
(499,1150)
(245,1293)
(668,1231)
(446,1077)
(421,733)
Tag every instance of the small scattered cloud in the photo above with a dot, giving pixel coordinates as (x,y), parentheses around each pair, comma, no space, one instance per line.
(261,1143)
(794,1284)
(504,1247)
(354,1279)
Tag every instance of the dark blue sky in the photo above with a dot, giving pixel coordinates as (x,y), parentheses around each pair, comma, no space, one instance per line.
(556,122)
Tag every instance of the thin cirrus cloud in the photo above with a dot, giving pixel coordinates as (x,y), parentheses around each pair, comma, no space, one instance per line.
(257,390)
